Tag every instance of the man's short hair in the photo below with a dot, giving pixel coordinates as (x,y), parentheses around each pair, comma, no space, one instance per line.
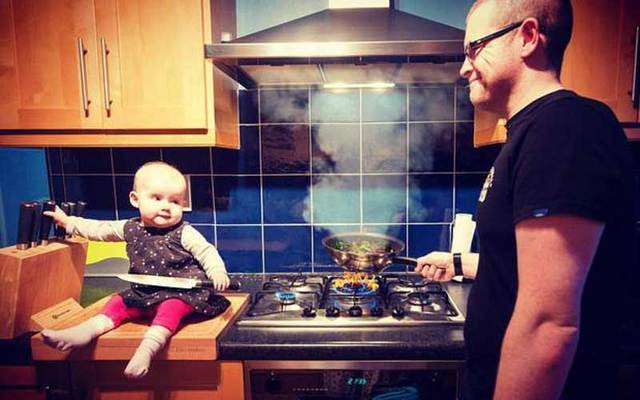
(151,164)
(554,16)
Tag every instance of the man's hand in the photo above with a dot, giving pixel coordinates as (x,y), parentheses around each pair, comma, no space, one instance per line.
(220,280)
(59,217)
(436,266)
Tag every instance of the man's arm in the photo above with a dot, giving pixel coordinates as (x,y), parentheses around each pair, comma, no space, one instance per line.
(438,265)
(554,257)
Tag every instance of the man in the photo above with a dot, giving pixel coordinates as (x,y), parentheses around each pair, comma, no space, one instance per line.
(555,217)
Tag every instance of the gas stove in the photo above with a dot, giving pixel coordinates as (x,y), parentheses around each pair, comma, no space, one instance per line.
(325,301)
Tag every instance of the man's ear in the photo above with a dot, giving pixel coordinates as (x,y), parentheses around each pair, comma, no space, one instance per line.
(133,198)
(530,36)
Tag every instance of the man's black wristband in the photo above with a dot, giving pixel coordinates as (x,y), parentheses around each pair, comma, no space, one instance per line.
(457,264)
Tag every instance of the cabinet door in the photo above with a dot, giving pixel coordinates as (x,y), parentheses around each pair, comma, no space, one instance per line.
(155,66)
(599,60)
(41,65)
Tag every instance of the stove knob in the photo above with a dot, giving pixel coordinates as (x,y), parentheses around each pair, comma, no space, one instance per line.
(355,311)
(397,312)
(376,311)
(309,312)
(332,311)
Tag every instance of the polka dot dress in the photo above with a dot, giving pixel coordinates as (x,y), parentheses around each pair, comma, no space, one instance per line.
(154,251)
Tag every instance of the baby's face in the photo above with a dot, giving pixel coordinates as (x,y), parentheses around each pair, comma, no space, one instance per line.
(160,198)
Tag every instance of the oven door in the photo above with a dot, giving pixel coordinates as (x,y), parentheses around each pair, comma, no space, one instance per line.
(300,380)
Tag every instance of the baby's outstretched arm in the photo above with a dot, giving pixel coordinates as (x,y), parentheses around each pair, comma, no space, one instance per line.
(59,217)
(207,256)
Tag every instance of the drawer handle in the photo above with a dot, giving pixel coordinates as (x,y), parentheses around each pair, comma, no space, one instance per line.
(105,76)
(82,52)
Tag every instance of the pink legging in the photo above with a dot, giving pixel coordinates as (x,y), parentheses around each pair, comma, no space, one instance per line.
(168,313)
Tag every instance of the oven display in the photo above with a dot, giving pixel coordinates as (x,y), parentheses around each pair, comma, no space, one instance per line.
(353,384)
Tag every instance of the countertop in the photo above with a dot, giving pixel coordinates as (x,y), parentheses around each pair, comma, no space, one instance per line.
(434,342)
(439,342)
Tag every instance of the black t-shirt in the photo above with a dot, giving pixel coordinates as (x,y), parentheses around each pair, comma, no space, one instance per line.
(565,154)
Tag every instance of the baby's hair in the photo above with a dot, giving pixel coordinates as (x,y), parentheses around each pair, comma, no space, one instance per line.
(153,164)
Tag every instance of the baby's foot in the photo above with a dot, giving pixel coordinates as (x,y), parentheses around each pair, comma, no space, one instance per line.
(154,340)
(79,335)
(138,366)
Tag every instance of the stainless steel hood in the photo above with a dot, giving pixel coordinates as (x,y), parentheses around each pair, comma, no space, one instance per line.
(356,45)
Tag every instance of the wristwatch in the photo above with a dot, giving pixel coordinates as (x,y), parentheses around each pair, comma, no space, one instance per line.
(457,264)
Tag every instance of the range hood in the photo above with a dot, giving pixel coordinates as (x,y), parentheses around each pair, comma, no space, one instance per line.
(351,46)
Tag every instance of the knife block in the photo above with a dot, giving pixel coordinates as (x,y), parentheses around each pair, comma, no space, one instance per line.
(34,279)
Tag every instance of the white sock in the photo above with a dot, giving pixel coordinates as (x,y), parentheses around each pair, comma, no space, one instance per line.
(154,340)
(79,335)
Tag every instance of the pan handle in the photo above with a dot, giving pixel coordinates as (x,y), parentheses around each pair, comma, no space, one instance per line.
(404,260)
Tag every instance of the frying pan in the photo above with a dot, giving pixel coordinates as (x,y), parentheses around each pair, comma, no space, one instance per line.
(361,261)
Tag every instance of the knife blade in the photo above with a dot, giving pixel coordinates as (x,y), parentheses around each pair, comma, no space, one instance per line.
(171,282)
(46,222)
(25,224)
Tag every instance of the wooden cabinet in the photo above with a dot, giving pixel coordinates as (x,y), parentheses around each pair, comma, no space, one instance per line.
(111,73)
(598,63)
(188,380)
(19,382)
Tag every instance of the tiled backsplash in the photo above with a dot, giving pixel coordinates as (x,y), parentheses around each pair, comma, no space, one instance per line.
(312,162)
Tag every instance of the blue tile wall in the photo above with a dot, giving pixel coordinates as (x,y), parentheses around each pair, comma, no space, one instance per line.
(312,162)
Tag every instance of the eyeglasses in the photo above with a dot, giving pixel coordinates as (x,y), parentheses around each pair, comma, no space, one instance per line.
(472,48)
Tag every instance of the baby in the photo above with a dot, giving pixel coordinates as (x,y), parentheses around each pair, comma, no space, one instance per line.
(158,243)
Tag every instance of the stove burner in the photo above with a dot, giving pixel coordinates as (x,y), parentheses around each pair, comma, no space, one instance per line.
(424,301)
(413,281)
(286,298)
(419,299)
(291,281)
(354,290)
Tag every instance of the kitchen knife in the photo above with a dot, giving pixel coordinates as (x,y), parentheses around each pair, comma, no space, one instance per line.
(25,224)
(35,224)
(72,208)
(177,283)
(46,222)
(61,233)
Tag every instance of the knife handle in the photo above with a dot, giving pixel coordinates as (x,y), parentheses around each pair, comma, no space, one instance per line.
(45,221)
(207,283)
(35,224)
(80,207)
(61,232)
(25,222)
(72,208)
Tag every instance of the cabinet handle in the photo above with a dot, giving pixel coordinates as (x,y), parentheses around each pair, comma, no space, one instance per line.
(635,89)
(82,52)
(105,76)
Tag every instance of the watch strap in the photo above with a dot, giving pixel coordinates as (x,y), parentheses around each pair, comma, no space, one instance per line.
(457,264)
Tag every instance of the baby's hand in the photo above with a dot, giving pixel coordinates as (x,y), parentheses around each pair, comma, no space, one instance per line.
(59,217)
(220,281)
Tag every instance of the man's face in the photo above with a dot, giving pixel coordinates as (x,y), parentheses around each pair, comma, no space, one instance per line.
(488,67)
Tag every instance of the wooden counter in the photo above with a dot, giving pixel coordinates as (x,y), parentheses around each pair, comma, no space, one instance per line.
(186,369)
(196,339)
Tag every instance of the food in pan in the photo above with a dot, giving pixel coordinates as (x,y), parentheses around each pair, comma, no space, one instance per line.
(363,246)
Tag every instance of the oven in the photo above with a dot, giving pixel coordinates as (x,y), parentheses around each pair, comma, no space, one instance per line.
(381,379)
(350,302)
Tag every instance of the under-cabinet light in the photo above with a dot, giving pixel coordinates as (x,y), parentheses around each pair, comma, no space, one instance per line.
(368,85)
